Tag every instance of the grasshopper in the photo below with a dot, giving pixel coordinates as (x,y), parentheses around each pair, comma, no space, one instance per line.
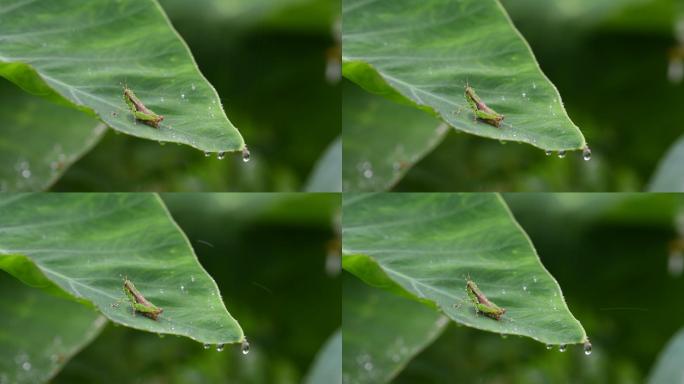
(481,303)
(139,302)
(481,110)
(139,110)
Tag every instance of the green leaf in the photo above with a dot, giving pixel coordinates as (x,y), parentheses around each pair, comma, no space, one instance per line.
(39,140)
(82,53)
(425,53)
(424,246)
(86,244)
(382,332)
(326,173)
(669,176)
(39,333)
(668,367)
(327,367)
(383,140)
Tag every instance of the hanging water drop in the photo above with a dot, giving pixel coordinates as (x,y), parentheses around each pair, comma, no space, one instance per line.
(183,96)
(245,154)
(586,154)
(561,154)
(549,346)
(220,155)
(562,348)
(548,153)
(219,347)
(207,154)
(206,346)
(587,348)
(245,346)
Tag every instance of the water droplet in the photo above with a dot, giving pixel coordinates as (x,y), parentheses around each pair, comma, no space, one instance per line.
(524,287)
(549,346)
(207,154)
(524,94)
(220,155)
(587,348)
(562,348)
(161,335)
(534,85)
(245,154)
(26,173)
(206,346)
(586,154)
(182,95)
(193,87)
(219,347)
(368,173)
(245,346)
(26,366)
(548,153)
(162,143)
(183,288)
(368,366)
(192,279)
(561,154)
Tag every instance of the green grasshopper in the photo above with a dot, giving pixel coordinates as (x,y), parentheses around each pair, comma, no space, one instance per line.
(481,110)
(481,303)
(139,110)
(139,302)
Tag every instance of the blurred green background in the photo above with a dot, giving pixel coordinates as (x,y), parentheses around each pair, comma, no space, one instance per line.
(609,253)
(267,59)
(609,60)
(273,258)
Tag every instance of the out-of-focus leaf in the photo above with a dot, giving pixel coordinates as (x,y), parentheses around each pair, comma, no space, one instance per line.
(86,244)
(669,176)
(424,246)
(39,140)
(327,367)
(669,368)
(382,140)
(424,55)
(382,332)
(327,173)
(39,333)
(83,53)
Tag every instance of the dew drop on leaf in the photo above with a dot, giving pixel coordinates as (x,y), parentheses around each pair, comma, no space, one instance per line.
(219,347)
(587,348)
(245,346)
(245,154)
(549,346)
(548,153)
(586,154)
(220,155)
(562,348)
(207,154)
(206,346)
(561,154)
